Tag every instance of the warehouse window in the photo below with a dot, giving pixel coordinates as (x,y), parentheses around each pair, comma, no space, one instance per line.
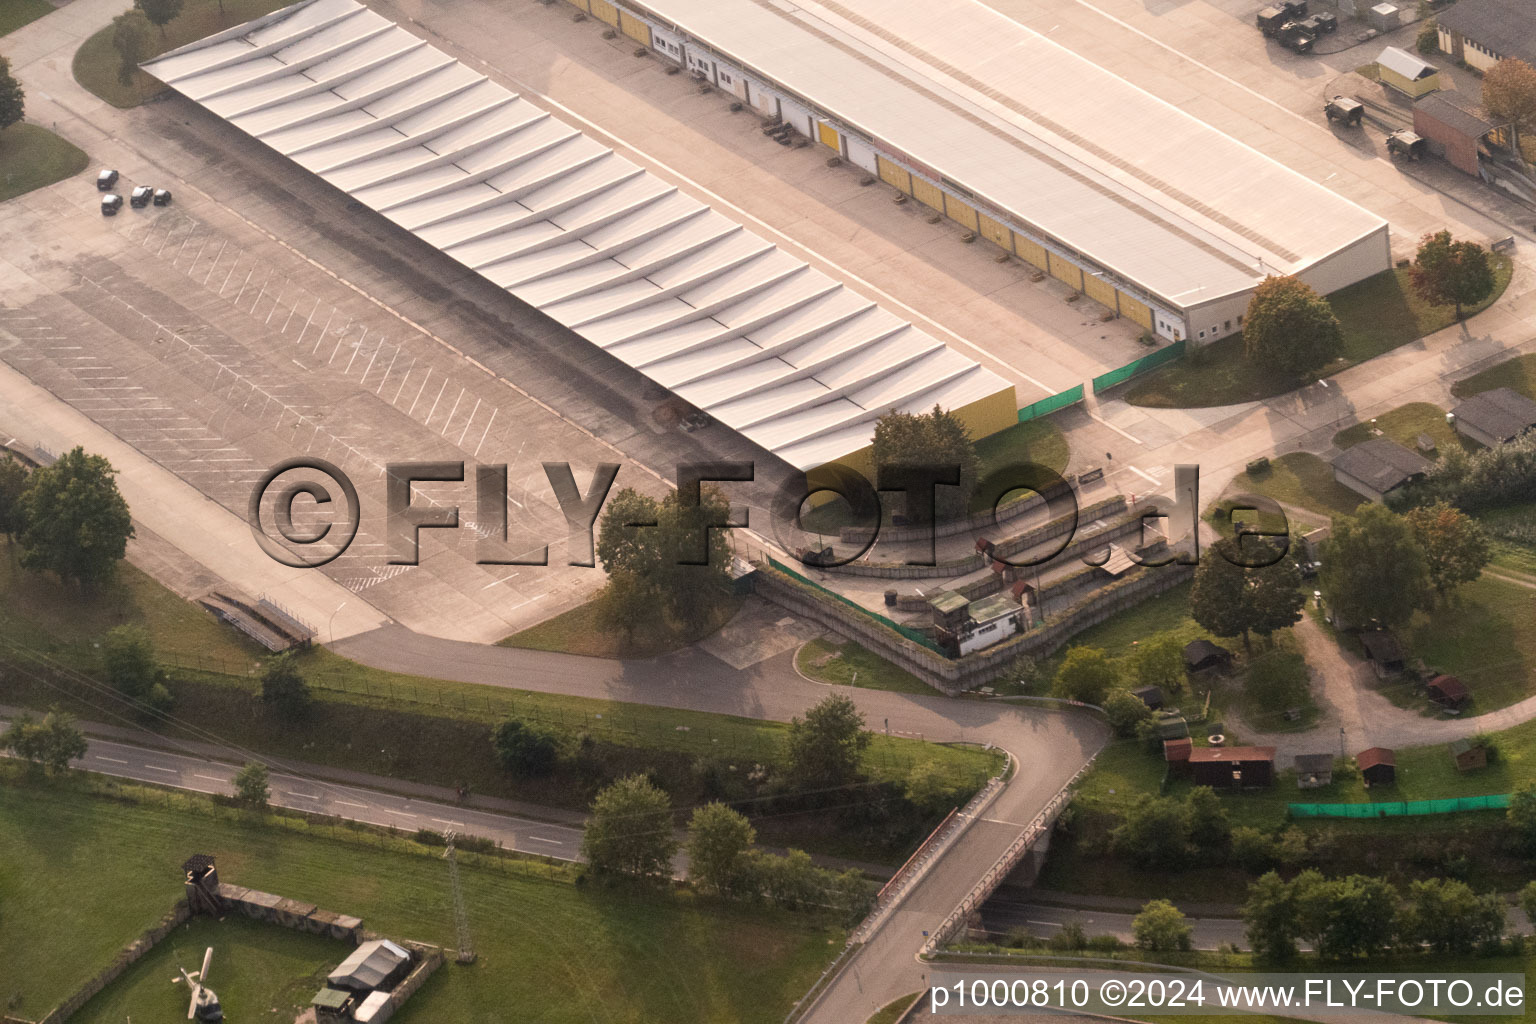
(1202,334)
(1227,325)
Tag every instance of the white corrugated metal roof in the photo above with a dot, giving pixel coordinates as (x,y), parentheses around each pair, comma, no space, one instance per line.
(1128,180)
(765,343)
(1404,63)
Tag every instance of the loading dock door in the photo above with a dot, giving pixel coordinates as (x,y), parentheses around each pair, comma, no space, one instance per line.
(1068,272)
(996,233)
(1100,291)
(827,136)
(960,213)
(927,193)
(602,10)
(796,116)
(1136,310)
(861,155)
(636,29)
(1030,251)
(894,174)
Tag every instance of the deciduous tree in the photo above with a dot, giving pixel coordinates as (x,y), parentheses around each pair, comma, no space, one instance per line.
(13,101)
(76,523)
(1451,273)
(1155,832)
(1373,568)
(649,549)
(1159,661)
(1521,814)
(1509,94)
(630,830)
(1210,826)
(825,747)
(50,744)
(1125,712)
(527,751)
(283,687)
(129,655)
(1086,675)
(1270,919)
(1231,599)
(929,787)
(1161,928)
(159,12)
(937,439)
(13,481)
(1455,545)
(252,784)
(719,837)
(1448,917)
(1290,328)
(130,38)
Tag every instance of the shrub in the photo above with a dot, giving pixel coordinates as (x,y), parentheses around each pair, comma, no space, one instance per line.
(427,837)
(527,751)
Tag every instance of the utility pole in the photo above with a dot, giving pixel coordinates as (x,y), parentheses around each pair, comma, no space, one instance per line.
(460,917)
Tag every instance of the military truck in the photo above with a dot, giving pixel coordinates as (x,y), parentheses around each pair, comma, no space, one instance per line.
(1346,109)
(1272,19)
(1295,36)
(1404,143)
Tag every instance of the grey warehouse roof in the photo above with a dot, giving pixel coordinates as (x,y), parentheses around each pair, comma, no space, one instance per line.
(1506,27)
(369,965)
(1130,181)
(1502,413)
(1380,463)
(766,344)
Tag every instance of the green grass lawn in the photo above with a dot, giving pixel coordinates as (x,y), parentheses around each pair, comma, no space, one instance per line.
(1039,441)
(1404,425)
(582,631)
(1377,315)
(1118,635)
(891,1012)
(1486,638)
(96,62)
(16,13)
(1512,536)
(31,156)
(1301,479)
(260,973)
(1518,374)
(80,876)
(848,664)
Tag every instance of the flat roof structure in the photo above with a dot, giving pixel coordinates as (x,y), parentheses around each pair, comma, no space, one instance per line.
(994,111)
(766,344)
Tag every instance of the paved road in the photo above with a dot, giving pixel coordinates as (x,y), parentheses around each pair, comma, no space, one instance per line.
(320,796)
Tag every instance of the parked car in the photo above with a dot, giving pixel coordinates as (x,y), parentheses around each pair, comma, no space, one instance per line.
(110,204)
(140,196)
(105,180)
(162,197)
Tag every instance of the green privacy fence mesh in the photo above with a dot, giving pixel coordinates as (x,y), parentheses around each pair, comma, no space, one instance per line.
(906,631)
(1071,396)
(1142,365)
(1402,808)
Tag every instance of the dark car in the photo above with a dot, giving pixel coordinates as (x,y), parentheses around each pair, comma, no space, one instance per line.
(105,180)
(140,196)
(110,204)
(162,197)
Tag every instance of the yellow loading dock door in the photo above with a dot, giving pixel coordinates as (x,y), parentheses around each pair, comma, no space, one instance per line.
(1136,310)
(827,136)
(1030,252)
(1061,270)
(995,233)
(1100,291)
(580,5)
(636,29)
(602,10)
(927,194)
(893,174)
(960,213)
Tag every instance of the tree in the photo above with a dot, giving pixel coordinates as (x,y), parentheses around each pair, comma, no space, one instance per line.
(527,751)
(825,747)
(1455,545)
(76,522)
(1210,827)
(1528,901)
(129,655)
(1448,272)
(1155,832)
(1230,599)
(630,830)
(1428,40)
(13,101)
(159,12)
(1160,662)
(1361,917)
(1269,917)
(1161,928)
(718,838)
(50,744)
(1448,917)
(251,784)
(1289,328)
(13,481)
(1509,94)
(283,687)
(647,546)
(130,38)
(1521,814)
(1086,675)
(929,787)
(1125,712)
(1373,568)
(936,439)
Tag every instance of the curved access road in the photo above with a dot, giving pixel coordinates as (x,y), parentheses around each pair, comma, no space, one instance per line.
(1049,746)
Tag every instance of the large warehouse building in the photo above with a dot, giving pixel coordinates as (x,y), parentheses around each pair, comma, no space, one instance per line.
(766,344)
(1154,214)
